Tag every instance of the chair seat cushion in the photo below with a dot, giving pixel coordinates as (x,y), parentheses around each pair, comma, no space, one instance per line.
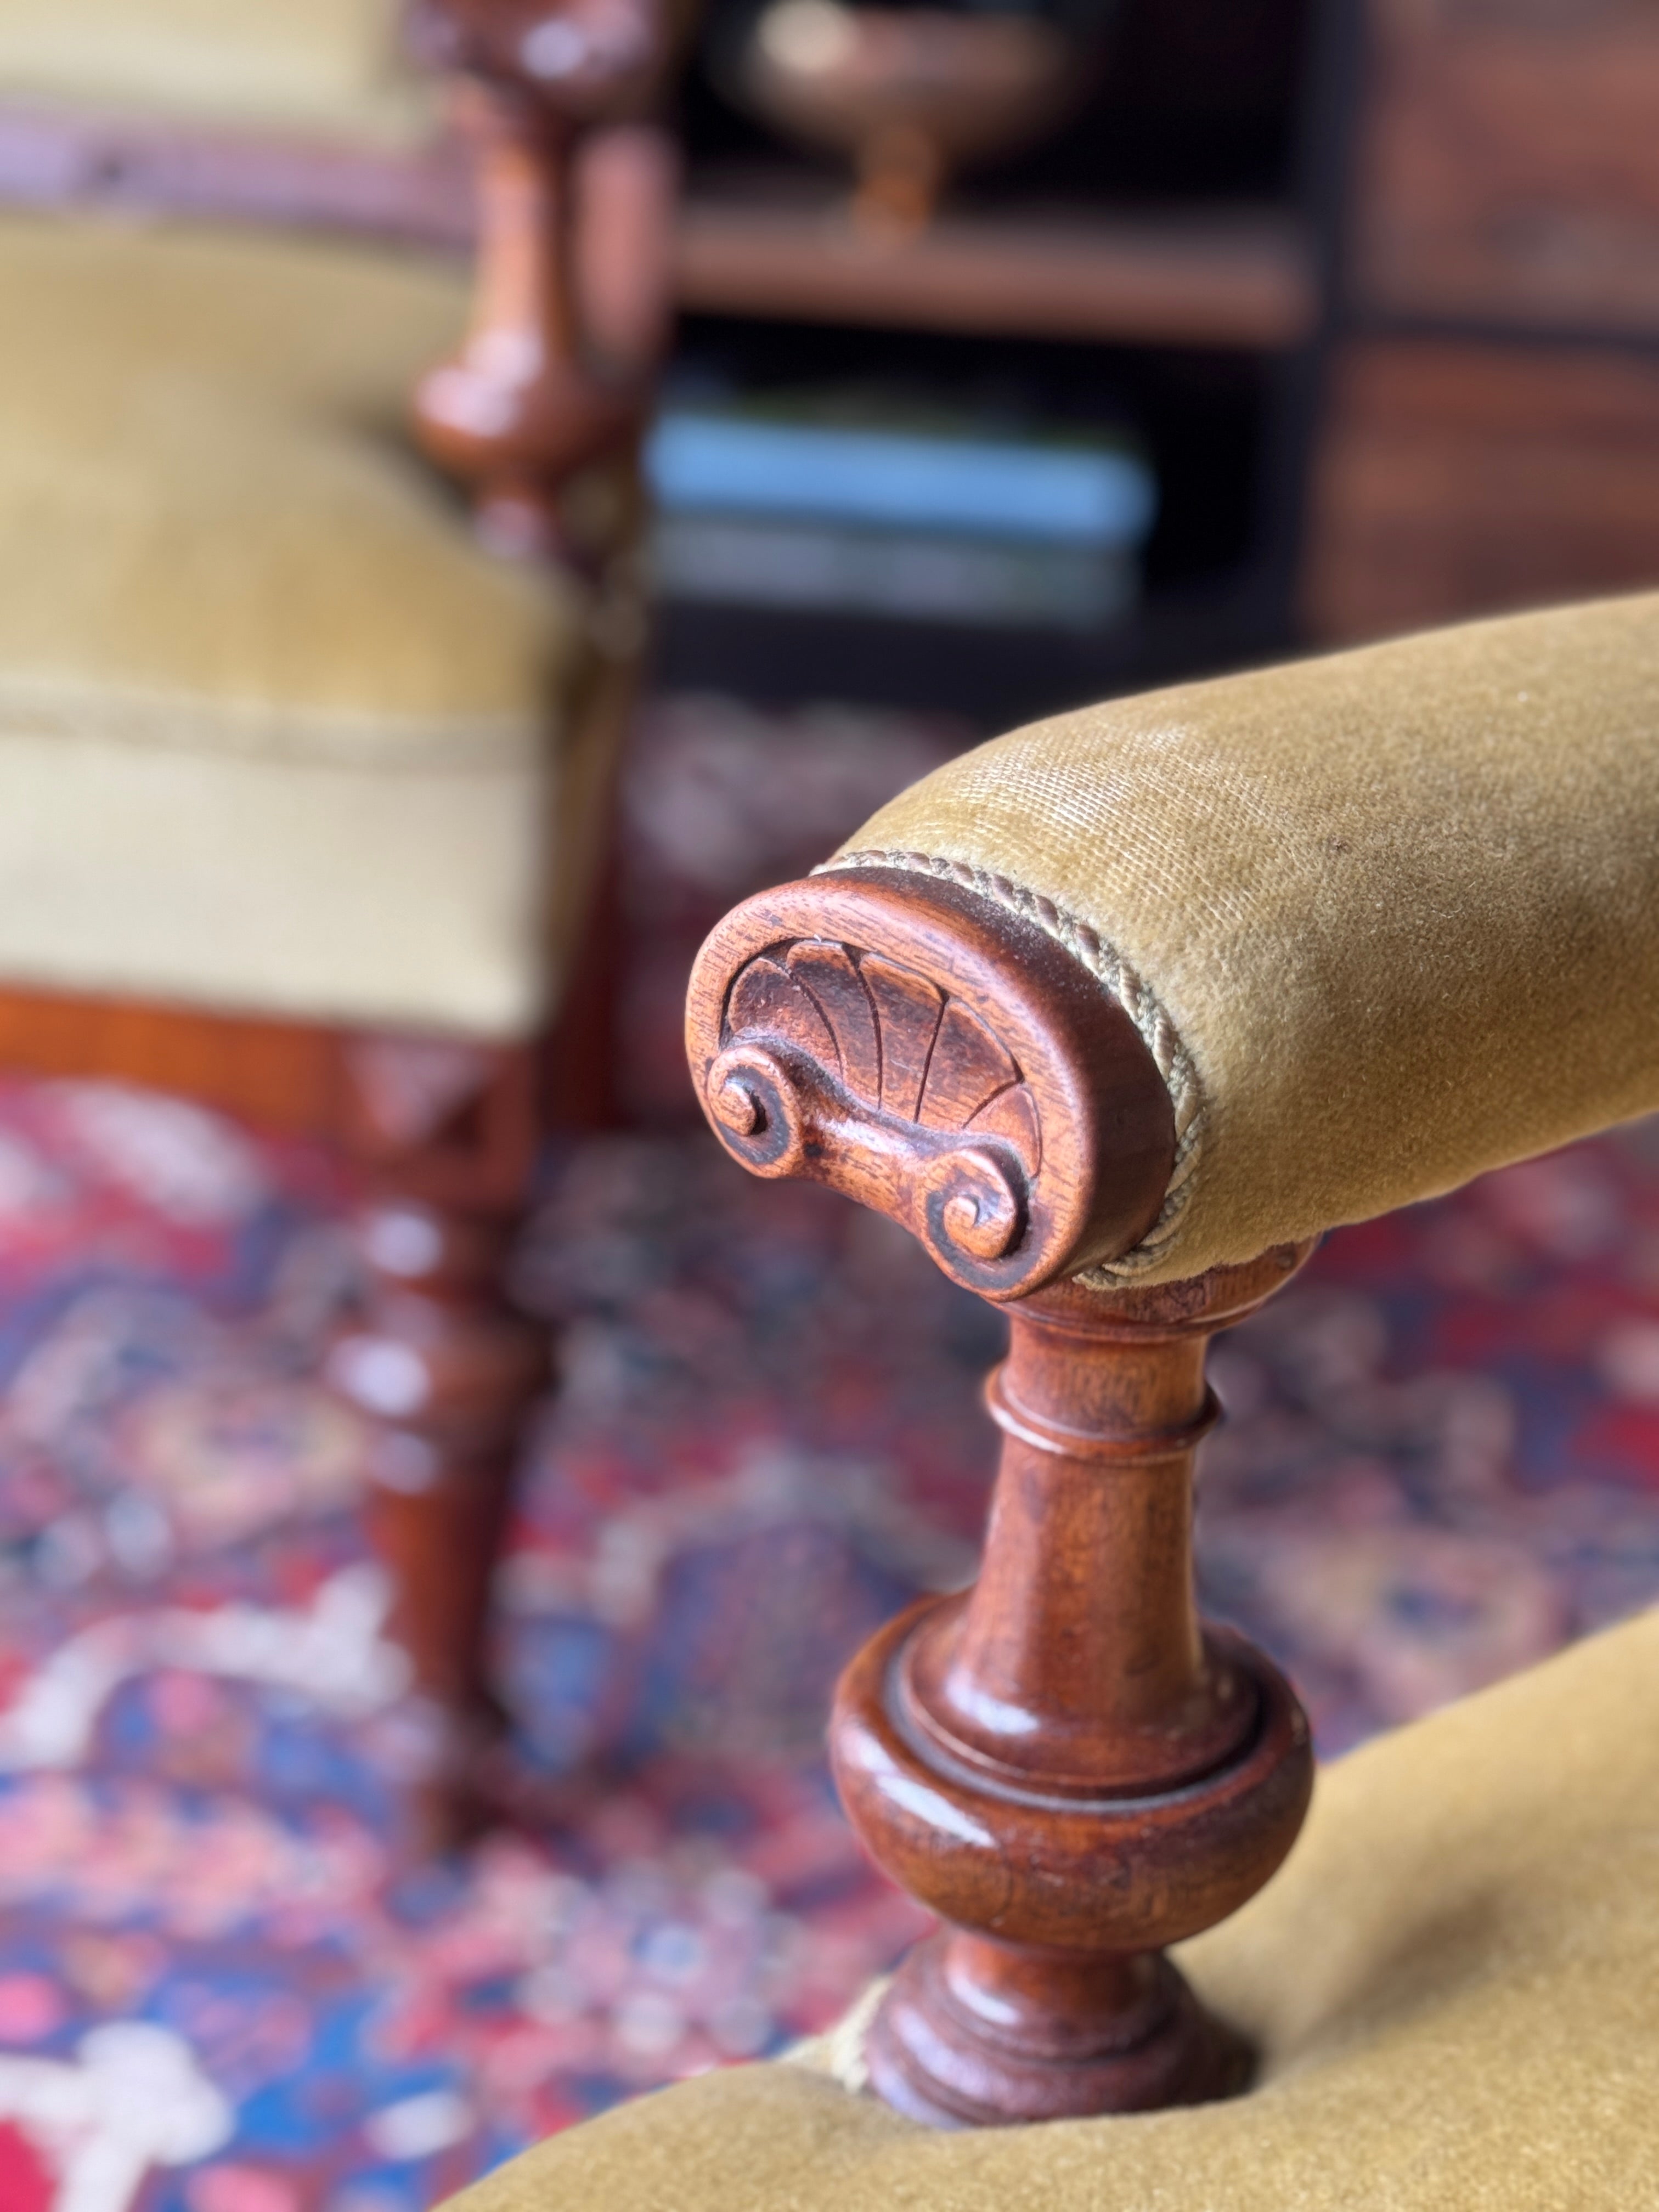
(1454,1982)
(329,67)
(1388,919)
(275,735)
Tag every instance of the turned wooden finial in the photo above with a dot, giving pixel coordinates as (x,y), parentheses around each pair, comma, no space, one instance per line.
(526,402)
(1062,1762)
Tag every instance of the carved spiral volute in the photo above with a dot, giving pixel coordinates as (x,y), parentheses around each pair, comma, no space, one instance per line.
(921,1049)
(835,1058)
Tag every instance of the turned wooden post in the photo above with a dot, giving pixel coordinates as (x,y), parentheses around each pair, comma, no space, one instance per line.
(1063,1762)
(528,401)
(445,1371)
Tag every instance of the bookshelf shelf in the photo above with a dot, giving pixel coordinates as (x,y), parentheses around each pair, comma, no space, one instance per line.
(1222,277)
(768,245)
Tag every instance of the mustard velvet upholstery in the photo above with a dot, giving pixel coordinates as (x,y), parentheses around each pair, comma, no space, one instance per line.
(1388,919)
(329,67)
(275,735)
(1454,1980)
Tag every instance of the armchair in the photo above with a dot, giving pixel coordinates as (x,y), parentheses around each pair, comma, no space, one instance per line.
(1118,1013)
(304,793)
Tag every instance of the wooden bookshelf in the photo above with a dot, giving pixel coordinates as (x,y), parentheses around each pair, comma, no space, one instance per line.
(1217,277)
(1220,278)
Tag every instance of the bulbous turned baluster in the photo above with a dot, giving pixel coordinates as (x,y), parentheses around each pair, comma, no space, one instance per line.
(445,1371)
(1064,1763)
(527,402)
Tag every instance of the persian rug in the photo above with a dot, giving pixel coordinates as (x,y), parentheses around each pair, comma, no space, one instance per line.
(225,1984)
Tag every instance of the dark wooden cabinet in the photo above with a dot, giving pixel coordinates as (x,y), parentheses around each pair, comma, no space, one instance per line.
(1509,169)
(1489,421)
(1459,477)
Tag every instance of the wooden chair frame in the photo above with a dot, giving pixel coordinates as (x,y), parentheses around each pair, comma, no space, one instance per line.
(1063,1763)
(442,1133)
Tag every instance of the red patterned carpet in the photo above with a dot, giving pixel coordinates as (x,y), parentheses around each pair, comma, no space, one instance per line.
(222,1989)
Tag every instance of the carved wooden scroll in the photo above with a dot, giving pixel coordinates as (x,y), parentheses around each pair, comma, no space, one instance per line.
(938,1059)
(1064,1762)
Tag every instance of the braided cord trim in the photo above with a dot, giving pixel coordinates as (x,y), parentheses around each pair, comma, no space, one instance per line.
(1132,993)
(839,2051)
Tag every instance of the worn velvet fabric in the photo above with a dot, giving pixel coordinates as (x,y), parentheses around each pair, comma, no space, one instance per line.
(275,734)
(332,68)
(1454,1982)
(1389,918)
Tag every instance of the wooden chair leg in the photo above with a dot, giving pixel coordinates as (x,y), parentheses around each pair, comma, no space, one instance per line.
(446,1370)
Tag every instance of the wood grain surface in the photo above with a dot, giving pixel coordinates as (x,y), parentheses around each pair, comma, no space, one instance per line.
(1510,163)
(1063,1763)
(1458,479)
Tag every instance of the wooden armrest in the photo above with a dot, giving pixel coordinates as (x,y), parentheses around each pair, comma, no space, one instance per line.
(1357,908)
(937,1057)
(1063,1763)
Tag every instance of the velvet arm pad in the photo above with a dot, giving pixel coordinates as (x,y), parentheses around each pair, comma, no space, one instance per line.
(1453,1984)
(1398,907)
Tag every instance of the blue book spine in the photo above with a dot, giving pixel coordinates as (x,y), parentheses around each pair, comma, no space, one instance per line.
(1042,495)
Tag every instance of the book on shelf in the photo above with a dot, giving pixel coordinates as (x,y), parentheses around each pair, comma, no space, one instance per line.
(939,520)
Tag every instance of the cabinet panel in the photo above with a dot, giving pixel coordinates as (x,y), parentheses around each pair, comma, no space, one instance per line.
(1510,163)
(1460,479)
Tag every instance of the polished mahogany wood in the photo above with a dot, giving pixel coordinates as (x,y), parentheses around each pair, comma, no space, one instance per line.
(528,402)
(457,1119)
(935,1055)
(1063,1763)
(445,1372)
(284,1075)
(566,200)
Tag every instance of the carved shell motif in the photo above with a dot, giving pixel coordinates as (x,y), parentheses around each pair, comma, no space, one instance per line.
(843,1065)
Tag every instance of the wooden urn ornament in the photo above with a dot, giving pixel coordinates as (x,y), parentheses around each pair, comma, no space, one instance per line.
(1063,1762)
(912,93)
